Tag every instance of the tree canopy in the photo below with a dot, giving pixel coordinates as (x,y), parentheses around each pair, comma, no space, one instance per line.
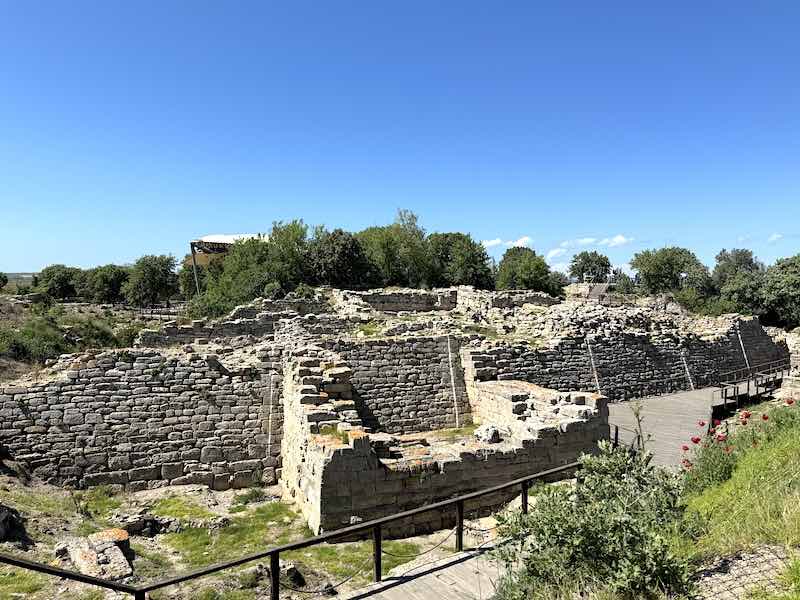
(523,269)
(152,279)
(670,269)
(590,267)
(457,259)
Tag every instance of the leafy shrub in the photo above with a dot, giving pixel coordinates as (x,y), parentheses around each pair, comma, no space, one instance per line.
(304,291)
(37,340)
(711,459)
(608,534)
(273,291)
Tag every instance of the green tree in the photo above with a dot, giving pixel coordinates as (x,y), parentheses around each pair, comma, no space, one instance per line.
(744,291)
(523,269)
(623,283)
(186,283)
(336,258)
(58,281)
(398,252)
(457,259)
(287,246)
(782,290)
(590,267)
(102,284)
(734,261)
(152,279)
(670,269)
(3,280)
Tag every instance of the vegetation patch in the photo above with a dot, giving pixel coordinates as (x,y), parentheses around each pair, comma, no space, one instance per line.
(18,583)
(267,525)
(183,509)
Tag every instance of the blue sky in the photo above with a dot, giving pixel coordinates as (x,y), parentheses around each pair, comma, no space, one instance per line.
(131,128)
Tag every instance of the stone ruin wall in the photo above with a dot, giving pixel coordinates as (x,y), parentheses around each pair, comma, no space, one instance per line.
(470,299)
(141,419)
(338,480)
(407,385)
(395,300)
(621,360)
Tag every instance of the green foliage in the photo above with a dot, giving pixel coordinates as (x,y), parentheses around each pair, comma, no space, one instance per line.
(670,269)
(304,291)
(273,291)
(759,503)
(398,252)
(37,340)
(336,258)
(181,508)
(782,290)
(58,281)
(610,533)
(590,267)
(523,269)
(251,496)
(102,284)
(623,283)
(152,279)
(17,583)
(268,524)
(96,502)
(3,280)
(734,262)
(457,259)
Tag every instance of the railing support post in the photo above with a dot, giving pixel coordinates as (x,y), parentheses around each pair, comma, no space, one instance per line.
(524,497)
(376,552)
(140,596)
(460,526)
(616,436)
(274,576)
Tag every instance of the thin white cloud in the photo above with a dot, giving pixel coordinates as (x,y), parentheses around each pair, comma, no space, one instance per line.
(774,237)
(584,241)
(520,243)
(744,238)
(562,266)
(555,253)
(617,240)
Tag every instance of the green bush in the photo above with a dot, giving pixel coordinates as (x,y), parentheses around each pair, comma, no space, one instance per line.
(608,534)
(37,340)
(273,291)
(304,291)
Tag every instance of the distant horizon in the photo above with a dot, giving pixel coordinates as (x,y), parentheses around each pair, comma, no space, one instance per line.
(615,127)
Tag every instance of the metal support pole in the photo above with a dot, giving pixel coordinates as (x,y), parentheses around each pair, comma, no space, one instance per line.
(460,526)
(376,552)
(616,436)
(524,497)
(194,269)
(140,596)
(274,576)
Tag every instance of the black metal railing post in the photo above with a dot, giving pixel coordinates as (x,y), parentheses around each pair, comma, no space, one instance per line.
(524,497)
(460,526)
(376,552)
(274,576)
(139,595)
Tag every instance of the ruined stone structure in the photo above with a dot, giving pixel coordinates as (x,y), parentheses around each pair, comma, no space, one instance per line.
(340,397)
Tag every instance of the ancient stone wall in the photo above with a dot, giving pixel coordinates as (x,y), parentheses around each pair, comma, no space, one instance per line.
(343,481)
(471,300)
(142,419)
(404,385)
(172,334)
(397,300)
(627,364)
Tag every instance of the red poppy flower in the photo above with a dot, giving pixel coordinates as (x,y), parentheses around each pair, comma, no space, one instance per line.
(765,417)
(695,440)
(701,423)
(717,422)
(746,414)
(790,401)
(722,437)
(712,431)
(685,448)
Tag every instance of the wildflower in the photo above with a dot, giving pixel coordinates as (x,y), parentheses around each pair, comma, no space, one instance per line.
(685,448)
(722,437)
(765,417)
(717,422)
(789,401)
(728,449)
(746,414)
(695,440)
(701,423)
(712,431)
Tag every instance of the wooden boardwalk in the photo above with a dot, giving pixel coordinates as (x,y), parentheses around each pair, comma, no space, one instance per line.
(670,420)
(468,575)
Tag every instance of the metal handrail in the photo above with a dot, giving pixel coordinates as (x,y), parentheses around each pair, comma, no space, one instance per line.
(375,526)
